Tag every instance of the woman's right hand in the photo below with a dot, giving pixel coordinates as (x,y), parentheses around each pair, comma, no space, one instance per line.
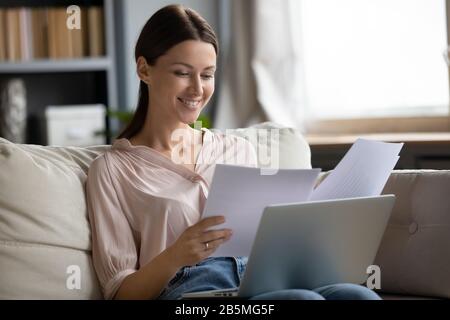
(197,243)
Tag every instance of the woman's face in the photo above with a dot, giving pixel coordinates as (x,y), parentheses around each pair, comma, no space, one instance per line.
(182,81)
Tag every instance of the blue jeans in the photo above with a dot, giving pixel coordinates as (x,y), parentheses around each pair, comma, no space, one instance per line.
(226,272)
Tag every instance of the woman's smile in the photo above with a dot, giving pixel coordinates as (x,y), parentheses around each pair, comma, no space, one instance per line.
(190,104)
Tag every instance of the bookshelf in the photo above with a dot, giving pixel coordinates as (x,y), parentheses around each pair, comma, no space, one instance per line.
(85,76)
(62,65)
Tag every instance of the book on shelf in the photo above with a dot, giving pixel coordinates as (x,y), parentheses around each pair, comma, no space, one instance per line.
(58,40)
(2,35)
(26,32)
(96,31)
(42,33)
(12,32)
(79,37)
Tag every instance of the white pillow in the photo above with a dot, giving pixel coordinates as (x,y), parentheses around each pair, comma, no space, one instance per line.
(289,148)
(44,226)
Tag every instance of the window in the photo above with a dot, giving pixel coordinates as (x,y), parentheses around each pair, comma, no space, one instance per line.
(375,58)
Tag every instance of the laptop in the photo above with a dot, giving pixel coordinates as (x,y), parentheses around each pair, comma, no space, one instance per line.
(310,245)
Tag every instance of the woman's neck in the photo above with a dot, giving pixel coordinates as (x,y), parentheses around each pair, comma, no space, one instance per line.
(163,137)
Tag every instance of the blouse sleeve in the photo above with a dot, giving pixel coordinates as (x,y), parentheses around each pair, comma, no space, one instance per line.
(114,250)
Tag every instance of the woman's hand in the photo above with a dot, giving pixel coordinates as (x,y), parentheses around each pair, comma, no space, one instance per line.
(197,243)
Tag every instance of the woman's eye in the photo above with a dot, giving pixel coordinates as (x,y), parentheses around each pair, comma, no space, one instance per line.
(182,74)
(187,74)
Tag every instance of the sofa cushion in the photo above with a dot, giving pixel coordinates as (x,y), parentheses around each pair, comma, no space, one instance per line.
(43,220)
(414,256)
(38,271)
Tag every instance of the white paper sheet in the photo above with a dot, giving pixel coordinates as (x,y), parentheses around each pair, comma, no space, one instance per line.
(242,193)
(362,172)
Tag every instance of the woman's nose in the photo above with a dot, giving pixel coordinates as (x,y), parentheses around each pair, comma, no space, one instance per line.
(196,86)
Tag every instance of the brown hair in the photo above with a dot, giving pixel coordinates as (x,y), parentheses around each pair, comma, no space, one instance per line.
(166,28)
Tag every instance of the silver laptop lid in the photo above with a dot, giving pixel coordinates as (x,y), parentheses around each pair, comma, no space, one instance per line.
(310,245)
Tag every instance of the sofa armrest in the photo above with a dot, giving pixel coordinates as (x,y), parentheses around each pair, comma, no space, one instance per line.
(413,256)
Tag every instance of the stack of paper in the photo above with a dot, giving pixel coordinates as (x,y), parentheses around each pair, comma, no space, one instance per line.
(362,172)
(241,193)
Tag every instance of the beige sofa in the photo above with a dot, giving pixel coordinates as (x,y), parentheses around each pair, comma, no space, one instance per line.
(44,229)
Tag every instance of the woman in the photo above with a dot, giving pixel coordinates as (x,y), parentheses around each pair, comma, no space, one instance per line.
(145,195)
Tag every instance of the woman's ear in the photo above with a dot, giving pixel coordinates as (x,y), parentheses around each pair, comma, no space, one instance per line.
(143,69)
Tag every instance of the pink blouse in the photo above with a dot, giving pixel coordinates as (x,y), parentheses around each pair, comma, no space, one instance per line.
(139,201)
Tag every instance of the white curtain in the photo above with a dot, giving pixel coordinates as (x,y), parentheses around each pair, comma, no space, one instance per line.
(263,77)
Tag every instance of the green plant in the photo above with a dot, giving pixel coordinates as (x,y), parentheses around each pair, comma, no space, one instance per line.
(123,116)
(205,120)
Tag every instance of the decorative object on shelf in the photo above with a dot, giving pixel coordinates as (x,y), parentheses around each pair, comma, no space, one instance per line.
(75,125)
(13,110)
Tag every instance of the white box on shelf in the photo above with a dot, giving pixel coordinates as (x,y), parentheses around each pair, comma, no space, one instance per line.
(75,125)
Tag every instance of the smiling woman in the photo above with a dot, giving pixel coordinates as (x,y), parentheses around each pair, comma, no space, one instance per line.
(149,239)
(181,82)
(179,49)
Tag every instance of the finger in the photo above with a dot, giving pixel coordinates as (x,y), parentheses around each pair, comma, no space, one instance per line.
(208,222)
(211,235)
(213,245)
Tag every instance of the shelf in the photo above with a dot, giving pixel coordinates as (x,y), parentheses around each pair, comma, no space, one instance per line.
(56,65)
(417,138)
(421,150)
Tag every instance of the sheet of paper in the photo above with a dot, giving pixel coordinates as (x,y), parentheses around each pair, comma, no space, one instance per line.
(362,172)
(241,194)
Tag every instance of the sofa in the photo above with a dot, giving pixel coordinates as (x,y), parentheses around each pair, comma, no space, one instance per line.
(45,234)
